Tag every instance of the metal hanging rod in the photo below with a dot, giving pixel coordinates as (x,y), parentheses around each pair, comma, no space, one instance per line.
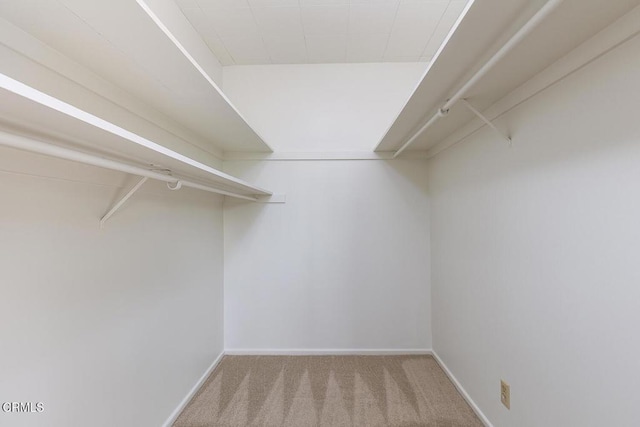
(32,145)
(544,11)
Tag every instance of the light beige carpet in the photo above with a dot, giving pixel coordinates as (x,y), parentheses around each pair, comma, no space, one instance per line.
(328,391)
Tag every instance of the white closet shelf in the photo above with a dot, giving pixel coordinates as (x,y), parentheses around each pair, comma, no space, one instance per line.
(112,47)
(480,33)
(33,121)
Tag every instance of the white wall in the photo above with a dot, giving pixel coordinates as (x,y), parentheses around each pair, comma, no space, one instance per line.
(106,327)
(343,264)
(535,253)
(321,107)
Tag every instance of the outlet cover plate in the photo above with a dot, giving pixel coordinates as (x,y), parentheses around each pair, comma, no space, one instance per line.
(505,394)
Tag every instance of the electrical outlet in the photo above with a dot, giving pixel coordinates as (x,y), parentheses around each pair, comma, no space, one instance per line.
(505,394)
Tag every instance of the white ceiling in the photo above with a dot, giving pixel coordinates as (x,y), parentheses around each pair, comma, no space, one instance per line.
(242,32)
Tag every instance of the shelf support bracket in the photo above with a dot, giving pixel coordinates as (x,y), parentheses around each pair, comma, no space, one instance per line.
(487,121)
(120,202)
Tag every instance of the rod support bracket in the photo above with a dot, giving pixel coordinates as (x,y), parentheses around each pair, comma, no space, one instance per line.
(121,202)
(486,120)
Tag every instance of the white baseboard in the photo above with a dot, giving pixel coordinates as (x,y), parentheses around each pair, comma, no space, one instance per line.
(323,352)
(176,412)
(463,392)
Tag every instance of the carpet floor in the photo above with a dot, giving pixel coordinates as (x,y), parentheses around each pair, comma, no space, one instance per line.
(328,391)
